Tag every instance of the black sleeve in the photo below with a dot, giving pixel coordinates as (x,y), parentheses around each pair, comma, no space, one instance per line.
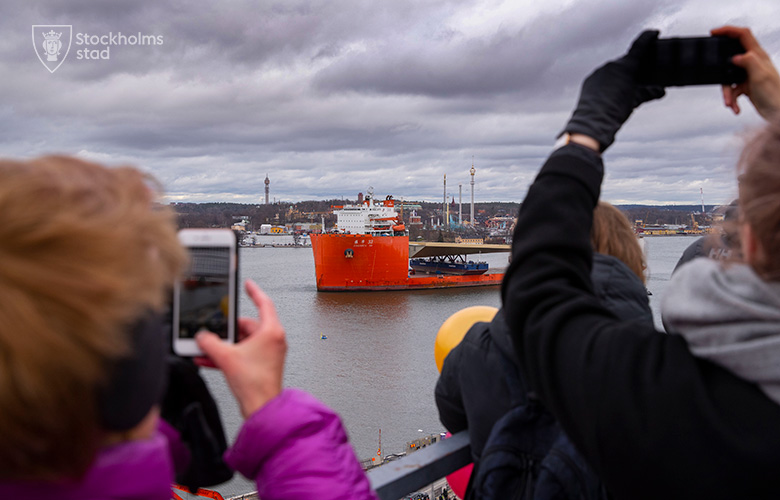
(449,399)
(651,419)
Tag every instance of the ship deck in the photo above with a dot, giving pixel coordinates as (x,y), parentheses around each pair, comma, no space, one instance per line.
(421,249)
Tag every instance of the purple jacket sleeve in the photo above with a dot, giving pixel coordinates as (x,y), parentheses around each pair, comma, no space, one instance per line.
(295,447)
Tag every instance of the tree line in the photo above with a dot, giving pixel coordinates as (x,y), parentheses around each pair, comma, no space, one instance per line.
(312,211)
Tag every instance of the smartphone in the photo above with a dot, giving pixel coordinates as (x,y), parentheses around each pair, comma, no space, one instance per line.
(206,297)
(677,62)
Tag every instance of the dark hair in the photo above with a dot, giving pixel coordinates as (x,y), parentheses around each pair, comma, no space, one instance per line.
(759,197)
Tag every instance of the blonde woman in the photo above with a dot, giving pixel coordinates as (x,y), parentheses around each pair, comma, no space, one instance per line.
(87,258)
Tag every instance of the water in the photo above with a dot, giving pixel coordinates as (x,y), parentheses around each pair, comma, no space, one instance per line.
(376,368)
(662,254)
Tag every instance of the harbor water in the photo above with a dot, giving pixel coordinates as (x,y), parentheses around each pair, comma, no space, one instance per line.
(376,367)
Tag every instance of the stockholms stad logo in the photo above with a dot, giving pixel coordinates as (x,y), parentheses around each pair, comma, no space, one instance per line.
(52,44)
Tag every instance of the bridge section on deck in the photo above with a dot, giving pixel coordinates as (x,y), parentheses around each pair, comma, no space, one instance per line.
(437,249)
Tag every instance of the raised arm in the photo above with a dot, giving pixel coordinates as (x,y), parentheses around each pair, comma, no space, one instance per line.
(608,97)
(651,419)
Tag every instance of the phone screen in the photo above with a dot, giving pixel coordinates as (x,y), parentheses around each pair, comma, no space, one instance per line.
(204,298)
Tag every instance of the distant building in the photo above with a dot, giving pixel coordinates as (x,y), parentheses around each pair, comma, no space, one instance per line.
(240,226)
(267,188)
(269,229)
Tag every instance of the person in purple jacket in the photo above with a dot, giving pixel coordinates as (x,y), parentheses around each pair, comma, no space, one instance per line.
(87,259)
(292,444)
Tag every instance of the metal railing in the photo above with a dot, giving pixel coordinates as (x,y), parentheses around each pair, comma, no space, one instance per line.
(417,470)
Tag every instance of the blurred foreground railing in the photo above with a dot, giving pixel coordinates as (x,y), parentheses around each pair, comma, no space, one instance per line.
(416,470)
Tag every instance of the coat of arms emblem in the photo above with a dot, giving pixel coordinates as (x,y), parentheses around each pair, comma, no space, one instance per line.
(52,44)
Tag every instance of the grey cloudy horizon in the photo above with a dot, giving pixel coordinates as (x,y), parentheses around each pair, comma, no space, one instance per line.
(328,98)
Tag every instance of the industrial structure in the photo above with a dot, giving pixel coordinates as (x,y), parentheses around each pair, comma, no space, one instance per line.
(473,171)
(460,204)
(444,211)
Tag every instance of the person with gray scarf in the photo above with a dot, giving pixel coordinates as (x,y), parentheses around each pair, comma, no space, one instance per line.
(730,316)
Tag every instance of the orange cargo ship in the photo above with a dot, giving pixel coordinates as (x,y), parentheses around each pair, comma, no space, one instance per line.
(370,251)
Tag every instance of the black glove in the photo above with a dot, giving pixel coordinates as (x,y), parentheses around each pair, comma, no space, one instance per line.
(611,93)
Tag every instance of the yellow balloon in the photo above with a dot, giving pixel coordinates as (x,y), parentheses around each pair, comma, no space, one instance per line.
(455,327)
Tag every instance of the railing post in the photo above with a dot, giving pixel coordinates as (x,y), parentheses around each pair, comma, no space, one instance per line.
(395,479)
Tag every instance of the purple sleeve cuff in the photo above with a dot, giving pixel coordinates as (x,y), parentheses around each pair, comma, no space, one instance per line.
(295,447)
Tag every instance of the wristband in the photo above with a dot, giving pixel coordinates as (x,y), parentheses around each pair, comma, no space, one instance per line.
(582,141)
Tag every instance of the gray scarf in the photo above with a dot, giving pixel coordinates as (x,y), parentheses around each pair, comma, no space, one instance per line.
(729,316)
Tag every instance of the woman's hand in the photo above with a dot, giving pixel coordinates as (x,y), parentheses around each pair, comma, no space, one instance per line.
(763,82)
(254,366)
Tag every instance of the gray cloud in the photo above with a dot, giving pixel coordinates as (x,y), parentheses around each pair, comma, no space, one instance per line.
(328,98)
(506,61)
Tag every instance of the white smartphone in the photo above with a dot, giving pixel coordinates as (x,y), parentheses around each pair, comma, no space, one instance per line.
(206,297)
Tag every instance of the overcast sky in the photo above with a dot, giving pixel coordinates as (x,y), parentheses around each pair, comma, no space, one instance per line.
(330,97)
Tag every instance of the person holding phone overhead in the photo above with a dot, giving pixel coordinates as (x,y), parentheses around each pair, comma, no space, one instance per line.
(653,416)
(89,258)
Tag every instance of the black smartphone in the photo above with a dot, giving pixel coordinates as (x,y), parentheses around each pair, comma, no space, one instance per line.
(206,298)
(677,62)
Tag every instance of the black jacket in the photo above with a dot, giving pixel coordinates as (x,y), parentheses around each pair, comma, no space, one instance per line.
(653,420)
(472,391)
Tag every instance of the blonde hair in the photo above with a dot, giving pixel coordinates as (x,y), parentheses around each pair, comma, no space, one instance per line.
(759,197)
(85,251)
(612,234)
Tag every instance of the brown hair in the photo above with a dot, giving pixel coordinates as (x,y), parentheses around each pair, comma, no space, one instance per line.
(759,197)
(85,250)
(612,234)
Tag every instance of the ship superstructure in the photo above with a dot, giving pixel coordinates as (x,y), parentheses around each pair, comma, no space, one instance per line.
(370,218)
(369,250)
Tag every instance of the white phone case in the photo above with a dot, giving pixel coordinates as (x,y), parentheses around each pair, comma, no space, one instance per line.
(224,243)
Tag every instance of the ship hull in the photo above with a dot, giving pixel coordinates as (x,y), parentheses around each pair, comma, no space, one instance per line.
(359,262)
